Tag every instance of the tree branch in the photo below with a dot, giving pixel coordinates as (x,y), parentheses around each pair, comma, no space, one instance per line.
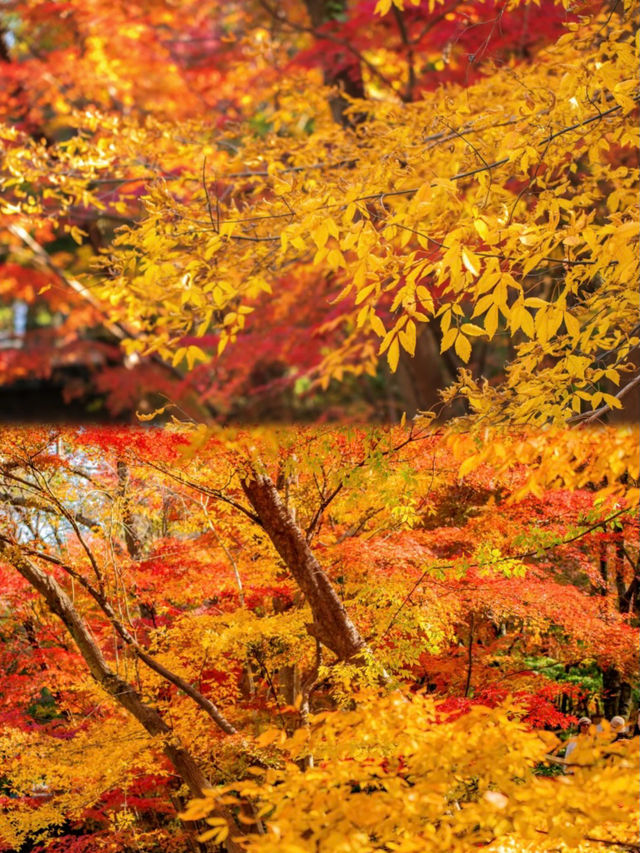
(130,640)
(124,693)
(589,417)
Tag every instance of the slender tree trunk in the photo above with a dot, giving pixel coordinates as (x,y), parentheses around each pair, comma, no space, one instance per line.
(124,693)
(131,538)
(59,603)
(467,686)
(331,623)
(289,683)
(612,687)
(4,48)
(617,691)
(424,373)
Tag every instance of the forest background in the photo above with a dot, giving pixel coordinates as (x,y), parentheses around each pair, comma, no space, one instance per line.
(365,274)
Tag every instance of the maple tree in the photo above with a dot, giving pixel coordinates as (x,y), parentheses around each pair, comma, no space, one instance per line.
(220,590)
(338,638)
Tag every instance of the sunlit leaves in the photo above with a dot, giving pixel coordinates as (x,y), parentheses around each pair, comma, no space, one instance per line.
(429,538)
(497,250)
(395,771)
(516,214)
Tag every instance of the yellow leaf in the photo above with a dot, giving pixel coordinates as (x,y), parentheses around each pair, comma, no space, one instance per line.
(491,321)
(77,234)
(555,316)
(463,348)
(335,259)
(384,343)
(447,339)
(218,835)
(377,325)
(482,228)
(572,325)
(535,302)
(320,235)
(178,356)
(363,293)
(408,337)
(612,401)
(194,354)
(382,7)
(362,315)
(482,304)
(471,262)
(332,228)
(424,296)
(526,323)
(393,355)
(471,329)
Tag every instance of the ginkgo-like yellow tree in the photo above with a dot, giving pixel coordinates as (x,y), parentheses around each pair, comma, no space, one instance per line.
(331,640)
(487,214)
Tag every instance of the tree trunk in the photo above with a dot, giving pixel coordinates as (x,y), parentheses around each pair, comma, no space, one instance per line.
(331,623)
(131,538)
(616,691)
(612,685)
(289,683)
(149,718)
(348,78)
(422,376)
(124,693)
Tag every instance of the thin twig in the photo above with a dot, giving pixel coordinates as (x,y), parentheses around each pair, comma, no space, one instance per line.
(214,225)
(589,417)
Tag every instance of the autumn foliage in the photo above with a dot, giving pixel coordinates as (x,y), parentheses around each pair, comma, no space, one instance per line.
(409,232)
(468,172)
(476,605)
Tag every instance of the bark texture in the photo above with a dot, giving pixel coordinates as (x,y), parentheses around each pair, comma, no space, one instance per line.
(331,623)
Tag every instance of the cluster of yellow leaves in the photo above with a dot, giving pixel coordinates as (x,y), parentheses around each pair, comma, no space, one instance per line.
(392,774)
(493,222)
(601,457)
(515,216)
(67,776)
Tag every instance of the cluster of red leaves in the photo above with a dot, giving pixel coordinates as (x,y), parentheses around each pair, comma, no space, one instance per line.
(455,44)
